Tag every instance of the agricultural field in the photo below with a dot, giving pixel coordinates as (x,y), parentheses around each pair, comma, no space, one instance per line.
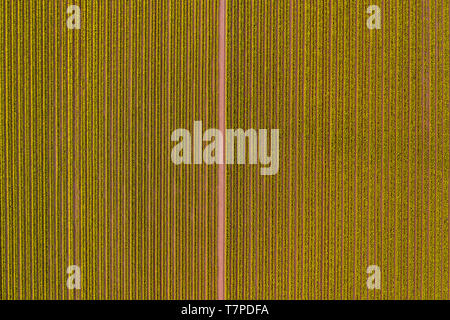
(87,177)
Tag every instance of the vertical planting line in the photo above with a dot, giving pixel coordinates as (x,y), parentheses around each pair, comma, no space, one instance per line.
(221,167)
